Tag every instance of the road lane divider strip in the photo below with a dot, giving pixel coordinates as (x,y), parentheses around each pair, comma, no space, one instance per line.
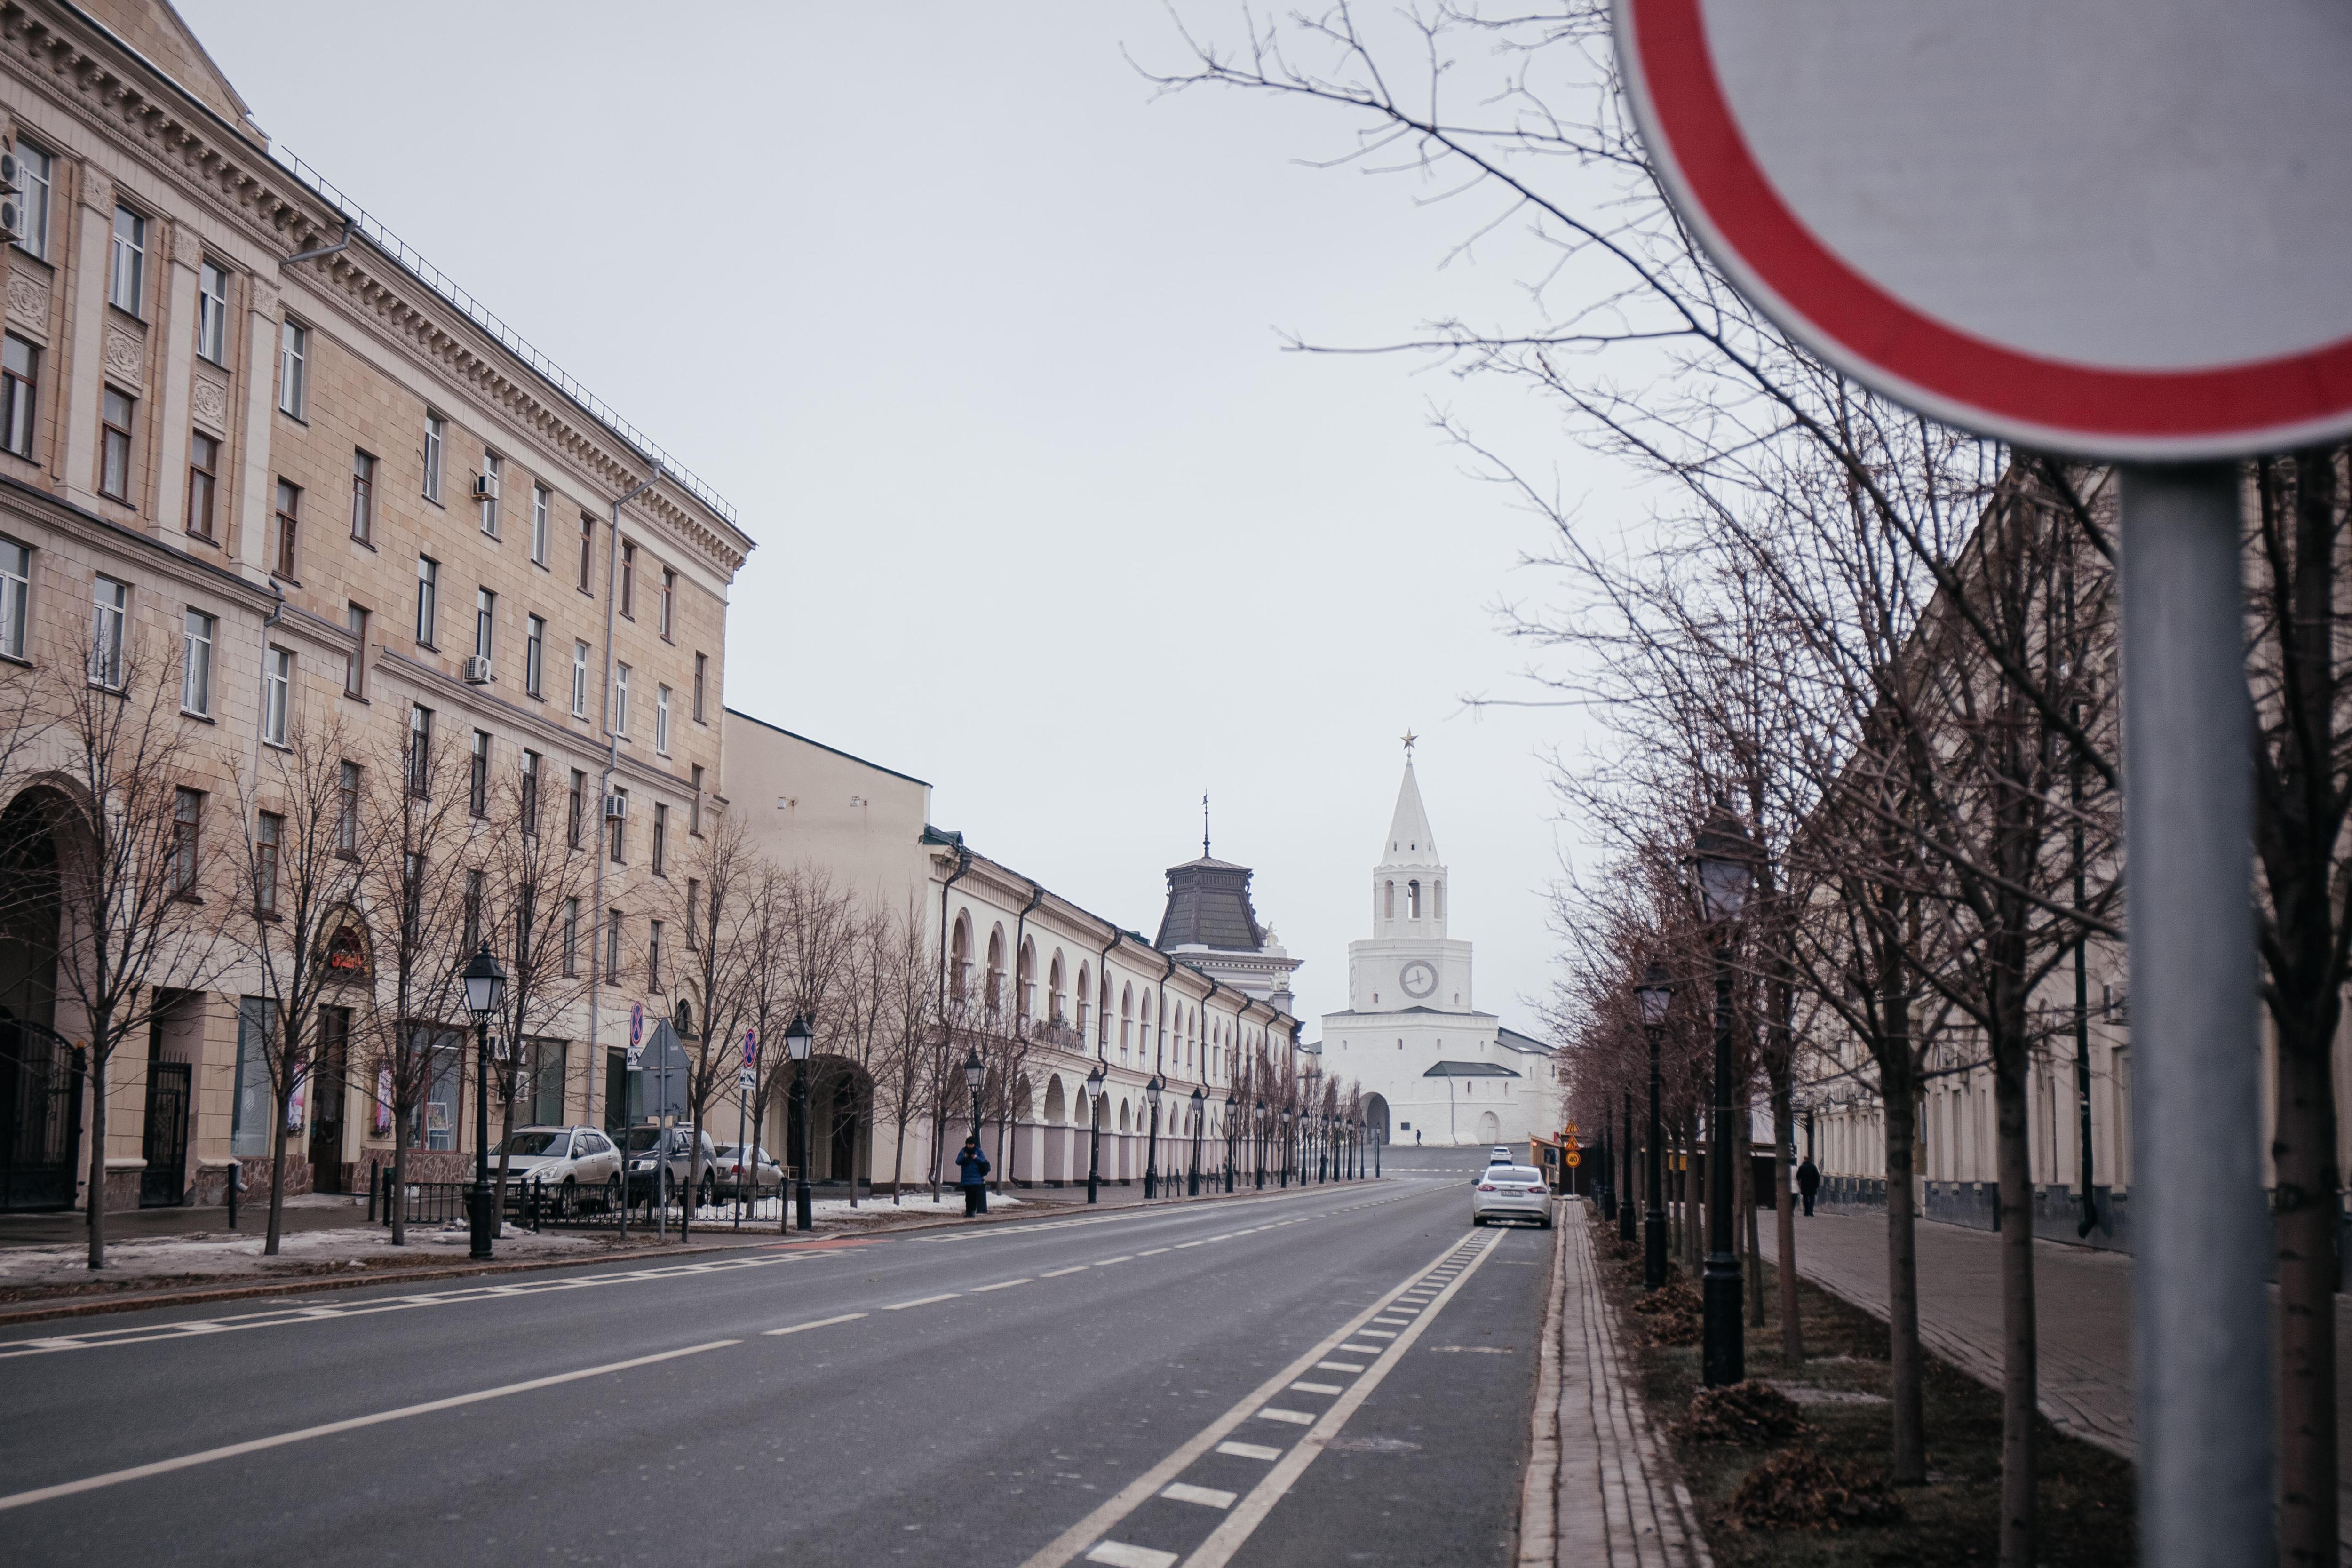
(1002,1285)
(922,1300)
(1066,1547)
(329,1429)
(812,1323)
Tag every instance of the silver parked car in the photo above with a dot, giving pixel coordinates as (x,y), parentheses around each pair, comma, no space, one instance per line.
(1511,1191)
(571,1167)
(644,1177)
(765,1176)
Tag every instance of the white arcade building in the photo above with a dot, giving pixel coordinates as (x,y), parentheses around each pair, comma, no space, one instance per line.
(1434,1069)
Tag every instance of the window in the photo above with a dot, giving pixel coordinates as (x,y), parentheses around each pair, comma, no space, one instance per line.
(428,592)
(293,368)
(628,580)
(528,793)
(471,938)
(109,602)
(694,804)
(540,501)
(668,601)
(571,936)
(38,172)
(661,840)
(114,456)
(580,680)
(19,381)
(1388,900)
(355,661)
(492,466)
(212,313)
(129,273)
(289,527)
(15,595)
(420,750)
(653,955)
(204,477)
(701,674)
(617,825)
(269,832)
(661,720)
(478,781)
(620,700)
(250,1111)
(693,912)
(347,809)
(363,496)
(485,622)
(276,694)
(188,822)
(196,663)
(613,944)
(436,430)
(534,652)
(587,553)
(576,816)
(1412,899)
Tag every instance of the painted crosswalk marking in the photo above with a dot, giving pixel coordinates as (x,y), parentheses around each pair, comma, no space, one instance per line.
(1249,1450)
(1207,1496)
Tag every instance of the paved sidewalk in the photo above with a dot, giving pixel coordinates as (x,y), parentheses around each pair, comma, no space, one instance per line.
(2082,1316)
(1599,1493)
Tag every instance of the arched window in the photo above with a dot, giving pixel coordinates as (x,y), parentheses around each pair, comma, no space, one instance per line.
(1126,1018)
(1388,900)
(959,958)
(1024,980)
(1085,995)
(1437,898)
(996,996)
(1412,899)
(1053,990)
(1104,1010)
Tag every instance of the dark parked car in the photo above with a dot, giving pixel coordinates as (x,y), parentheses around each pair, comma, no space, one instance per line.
(641,1145)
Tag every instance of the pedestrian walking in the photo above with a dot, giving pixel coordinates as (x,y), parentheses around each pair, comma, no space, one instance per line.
(973,1178)
(1809,1181)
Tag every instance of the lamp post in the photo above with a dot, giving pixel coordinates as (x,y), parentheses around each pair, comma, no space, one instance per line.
(486,992)
(1257,1142)
(1232,1102)
(975,1072)
(1625,1200)
(1724,859)
(1151,1150)
(1655,993)
(1192,1181)
(1287,1112)
(1094,1133)
(799,1040)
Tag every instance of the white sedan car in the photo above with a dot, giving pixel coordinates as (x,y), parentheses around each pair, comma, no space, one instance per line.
(1511,1191)
(568,1166)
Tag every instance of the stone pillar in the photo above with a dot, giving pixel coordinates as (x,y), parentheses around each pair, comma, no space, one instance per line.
(86,333)
(179,326)
(257,482)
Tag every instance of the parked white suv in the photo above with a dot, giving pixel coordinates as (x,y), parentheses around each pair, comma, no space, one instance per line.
(568,1166)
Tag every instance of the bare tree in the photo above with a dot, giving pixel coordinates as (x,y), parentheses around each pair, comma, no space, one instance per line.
(709,896)
(294,886)
(908,1023)
(135,862)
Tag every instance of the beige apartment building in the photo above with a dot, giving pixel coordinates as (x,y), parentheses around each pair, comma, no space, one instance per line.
(251,440)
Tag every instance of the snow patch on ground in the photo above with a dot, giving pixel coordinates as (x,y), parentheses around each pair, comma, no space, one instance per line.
(221,1254)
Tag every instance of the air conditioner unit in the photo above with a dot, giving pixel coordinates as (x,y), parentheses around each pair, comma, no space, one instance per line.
(12,218)
(616,808)
(12,172)
(478,670)
(486,486)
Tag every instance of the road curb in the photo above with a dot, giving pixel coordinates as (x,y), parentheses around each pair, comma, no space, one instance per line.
(98,1306)
(1540,1499)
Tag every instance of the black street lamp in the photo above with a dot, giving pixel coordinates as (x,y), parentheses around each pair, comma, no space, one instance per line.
(1192,1180)
(1724,859)
(1152,1155)
(486,992)
(974,1072)
(1257,1142)
(1654,993)
(1232,1102)
(799,1040)
(1094,1133)
(1286,1113)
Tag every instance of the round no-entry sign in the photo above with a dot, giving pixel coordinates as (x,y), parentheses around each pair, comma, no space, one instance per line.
(2111,226)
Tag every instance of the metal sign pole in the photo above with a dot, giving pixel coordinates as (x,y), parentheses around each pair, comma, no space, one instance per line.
(2201,1334)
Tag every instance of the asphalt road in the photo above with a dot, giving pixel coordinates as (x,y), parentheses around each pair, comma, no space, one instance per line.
(1341,1374)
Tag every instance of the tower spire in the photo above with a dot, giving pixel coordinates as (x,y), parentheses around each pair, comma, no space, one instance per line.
(1204,825)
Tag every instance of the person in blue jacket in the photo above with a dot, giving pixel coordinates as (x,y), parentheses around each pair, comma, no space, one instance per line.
(974,1167)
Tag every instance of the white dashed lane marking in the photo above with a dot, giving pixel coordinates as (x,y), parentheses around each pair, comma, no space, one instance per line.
(1002,1285)
(1296,1417)
(1118,1554)
(1316,1387)
(815,1324)
(922,1302)
(1207,1496)
(1339,1366)
(1057,1273)
(1249,1451)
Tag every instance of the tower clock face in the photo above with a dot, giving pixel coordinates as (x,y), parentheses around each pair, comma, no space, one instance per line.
(1418,979)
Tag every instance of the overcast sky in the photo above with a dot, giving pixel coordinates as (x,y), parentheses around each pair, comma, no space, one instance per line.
(985,345)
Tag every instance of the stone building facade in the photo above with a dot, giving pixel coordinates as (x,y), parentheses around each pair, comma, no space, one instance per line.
(247,421)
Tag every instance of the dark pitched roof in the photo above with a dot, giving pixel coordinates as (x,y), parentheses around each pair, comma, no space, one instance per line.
(1209,906)
(1512,1040)
(1469,1070)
